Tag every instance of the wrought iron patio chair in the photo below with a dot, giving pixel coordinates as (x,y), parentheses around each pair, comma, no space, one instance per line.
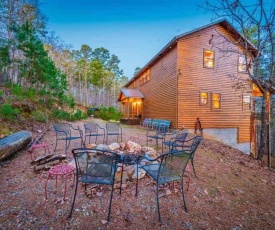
(169,167)
(94,166)
(113,129)
(158,134)
(177,140)
(63,132)
(92,129)
(187,146)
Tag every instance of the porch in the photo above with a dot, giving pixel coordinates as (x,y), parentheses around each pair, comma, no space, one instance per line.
(131,106)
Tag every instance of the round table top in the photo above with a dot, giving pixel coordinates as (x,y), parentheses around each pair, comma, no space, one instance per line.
(61,169)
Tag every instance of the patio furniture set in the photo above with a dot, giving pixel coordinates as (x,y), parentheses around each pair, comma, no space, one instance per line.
(99,166)
(64,132)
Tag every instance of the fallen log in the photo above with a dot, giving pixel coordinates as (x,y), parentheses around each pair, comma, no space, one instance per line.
(13,143)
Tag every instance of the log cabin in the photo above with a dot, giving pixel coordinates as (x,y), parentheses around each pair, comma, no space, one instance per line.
(192,81)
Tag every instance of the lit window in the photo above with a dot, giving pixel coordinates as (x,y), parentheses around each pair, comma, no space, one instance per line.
(203,98)
(208,58)
(246,102)
(216,100)
(134,85)
(242,64)
(145,77)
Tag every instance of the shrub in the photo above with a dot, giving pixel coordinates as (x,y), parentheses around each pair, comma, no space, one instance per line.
(60,114)
(78,115)
(63,115)
(107,114)
(7,112)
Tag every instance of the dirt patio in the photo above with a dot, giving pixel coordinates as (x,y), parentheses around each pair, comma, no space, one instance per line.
(232,191)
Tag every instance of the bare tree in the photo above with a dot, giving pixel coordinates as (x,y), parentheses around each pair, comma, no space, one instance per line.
(255,21)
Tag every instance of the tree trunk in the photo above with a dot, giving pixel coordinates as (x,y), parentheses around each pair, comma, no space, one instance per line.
(262,150)
(13,143)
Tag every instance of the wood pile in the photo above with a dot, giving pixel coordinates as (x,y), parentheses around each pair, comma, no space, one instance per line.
(46,162)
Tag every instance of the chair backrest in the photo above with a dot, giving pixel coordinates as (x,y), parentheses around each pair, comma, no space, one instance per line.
(181,136)
(112,127)
(165,123)
(147,121)
(172,166)
(91,127)
(195,144)
(95,166)
(162,130)
(62,129)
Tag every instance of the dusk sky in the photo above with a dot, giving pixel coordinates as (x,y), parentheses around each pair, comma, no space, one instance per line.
(135,31)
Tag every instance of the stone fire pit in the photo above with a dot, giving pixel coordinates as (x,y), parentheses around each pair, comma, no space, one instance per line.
(131,151)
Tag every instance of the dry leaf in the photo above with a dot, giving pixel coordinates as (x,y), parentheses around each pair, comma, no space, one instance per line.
(99,193)
(168,192)
(104,221)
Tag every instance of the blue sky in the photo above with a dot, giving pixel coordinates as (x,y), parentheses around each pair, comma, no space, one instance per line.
(135,31)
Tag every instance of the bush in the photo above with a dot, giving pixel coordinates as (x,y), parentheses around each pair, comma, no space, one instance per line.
(7,112)
(63,115)
(107,114)
(78,115)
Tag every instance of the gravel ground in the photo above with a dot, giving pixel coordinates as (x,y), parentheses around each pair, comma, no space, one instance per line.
(232,191)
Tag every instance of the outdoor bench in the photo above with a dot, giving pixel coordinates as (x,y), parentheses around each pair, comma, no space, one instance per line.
(146,122)
(159,122)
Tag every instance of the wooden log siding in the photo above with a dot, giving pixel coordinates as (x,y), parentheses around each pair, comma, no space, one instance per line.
(160,91)
(195,78)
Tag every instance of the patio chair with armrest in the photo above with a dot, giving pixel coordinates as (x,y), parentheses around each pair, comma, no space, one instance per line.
(63,132)
(169,167)
(113,129)
(180,137)
(94,166)
(92,129)
(186,145)
(158,134)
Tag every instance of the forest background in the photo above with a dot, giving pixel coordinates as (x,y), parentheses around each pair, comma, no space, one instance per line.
(41,77)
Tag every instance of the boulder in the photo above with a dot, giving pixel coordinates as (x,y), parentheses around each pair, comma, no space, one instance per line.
(13,143)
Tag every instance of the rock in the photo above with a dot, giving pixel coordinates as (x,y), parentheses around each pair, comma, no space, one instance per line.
(150,152)
(114,146)
(130,170)
(13,143)
(90,146)
(132,147)
(122,145)
(102,147)
(141,173)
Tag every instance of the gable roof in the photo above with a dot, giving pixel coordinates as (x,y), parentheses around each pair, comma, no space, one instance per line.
(130,93)
(223,22)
